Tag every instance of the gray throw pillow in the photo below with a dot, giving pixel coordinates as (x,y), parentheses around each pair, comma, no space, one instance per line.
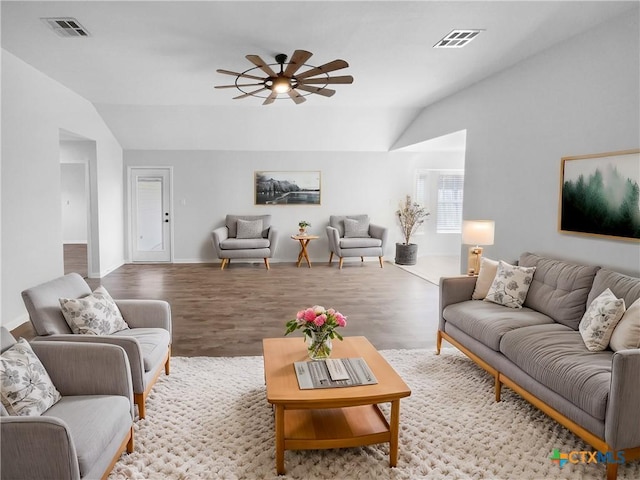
(94,314)
(356,228)
(249,228)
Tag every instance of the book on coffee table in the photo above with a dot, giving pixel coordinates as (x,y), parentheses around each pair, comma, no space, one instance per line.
(344,372)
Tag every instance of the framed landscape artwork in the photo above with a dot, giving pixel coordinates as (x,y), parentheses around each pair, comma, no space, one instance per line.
(600,195)
(287,188)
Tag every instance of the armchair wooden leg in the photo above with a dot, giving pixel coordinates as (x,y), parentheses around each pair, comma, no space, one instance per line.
(380,260)
(167,366)
(330,257)
(266,263)
(138,399)
(224,263)
(612,471)
(362,259)
(438,342)
(130,443)
(340,264)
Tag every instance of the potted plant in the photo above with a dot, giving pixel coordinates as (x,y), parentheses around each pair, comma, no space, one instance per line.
(302,226)
(410,215)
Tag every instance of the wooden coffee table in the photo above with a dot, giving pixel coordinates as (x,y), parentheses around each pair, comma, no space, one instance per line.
(331,417)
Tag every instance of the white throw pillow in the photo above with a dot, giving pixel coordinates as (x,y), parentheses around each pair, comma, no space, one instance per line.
(249,228)
(488,270)
(598,322)
(356,228)
(27,389)
(627,333)
(95,314)
(510,285)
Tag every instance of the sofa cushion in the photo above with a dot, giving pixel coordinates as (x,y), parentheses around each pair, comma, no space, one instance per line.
(244,243)
(510,285)
(154,343)
(249,228)
(231,222)
(337,221)
(356,228)
(27,389)
(556,356)
(94,314)
(627,333)
(559,289)
(598,322)
(622,286)
(360,242)
(93,421)
(488,322)
(488,270)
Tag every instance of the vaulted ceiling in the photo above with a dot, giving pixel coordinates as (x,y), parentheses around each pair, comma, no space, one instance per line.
(150,67)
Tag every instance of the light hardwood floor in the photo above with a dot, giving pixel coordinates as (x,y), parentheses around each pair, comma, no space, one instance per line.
(228,313)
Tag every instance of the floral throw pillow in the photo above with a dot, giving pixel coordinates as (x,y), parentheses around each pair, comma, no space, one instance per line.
(27,389)
(510,285)
(95,314)
(600,319)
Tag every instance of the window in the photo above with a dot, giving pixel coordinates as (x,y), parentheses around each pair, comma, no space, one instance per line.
(449,208)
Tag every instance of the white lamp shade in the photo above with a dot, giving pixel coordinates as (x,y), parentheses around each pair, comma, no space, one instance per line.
(478,232)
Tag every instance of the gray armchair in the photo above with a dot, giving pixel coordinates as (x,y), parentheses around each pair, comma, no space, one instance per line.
(83,435)
(354,236)
(245,236)
(147,341)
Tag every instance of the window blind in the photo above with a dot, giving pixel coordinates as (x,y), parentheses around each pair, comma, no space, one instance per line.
(449,211)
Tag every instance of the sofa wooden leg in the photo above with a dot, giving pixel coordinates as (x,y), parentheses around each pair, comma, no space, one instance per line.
(330,257)
(340,264)
(138,399)
(612,471)
(381,262)
(438,342)
(224,263)
(266,263)
(130,443)
(498,388)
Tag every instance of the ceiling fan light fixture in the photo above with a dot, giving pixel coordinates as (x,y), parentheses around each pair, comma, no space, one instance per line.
(288,81)
(281,85)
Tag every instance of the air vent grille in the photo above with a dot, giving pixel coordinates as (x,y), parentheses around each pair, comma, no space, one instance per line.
(66,27)
(457,39)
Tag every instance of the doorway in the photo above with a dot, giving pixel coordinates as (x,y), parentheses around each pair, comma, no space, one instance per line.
(150,214)
(79,215)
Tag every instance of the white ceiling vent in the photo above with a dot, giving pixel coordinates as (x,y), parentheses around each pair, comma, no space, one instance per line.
(457,39)
(66,27)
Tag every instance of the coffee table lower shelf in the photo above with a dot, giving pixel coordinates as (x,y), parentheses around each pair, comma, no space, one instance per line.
(335,428)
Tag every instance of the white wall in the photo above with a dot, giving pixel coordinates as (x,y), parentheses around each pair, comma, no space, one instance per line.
(208,185)
(34,109)
(579,97)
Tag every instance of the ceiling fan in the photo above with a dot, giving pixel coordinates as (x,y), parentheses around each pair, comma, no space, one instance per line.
(286,81)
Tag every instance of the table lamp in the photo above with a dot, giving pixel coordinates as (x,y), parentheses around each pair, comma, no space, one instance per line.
(476,232)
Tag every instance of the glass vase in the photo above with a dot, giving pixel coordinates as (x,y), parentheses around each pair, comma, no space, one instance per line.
(319,345)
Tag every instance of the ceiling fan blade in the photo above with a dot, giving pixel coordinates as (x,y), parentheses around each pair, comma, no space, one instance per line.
(325,92)
(327,80)
(258,62)
(271,98)
(250,93)
(236,74)
(239,85)
(298,59)
(296,97)
(326,68)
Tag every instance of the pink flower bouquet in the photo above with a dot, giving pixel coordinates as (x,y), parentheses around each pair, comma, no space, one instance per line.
(319,327)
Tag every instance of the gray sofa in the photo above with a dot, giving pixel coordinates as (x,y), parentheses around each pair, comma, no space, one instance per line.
(82,435)
(538,352)
(228,245)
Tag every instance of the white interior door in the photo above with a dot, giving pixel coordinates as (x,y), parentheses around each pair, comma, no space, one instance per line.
(150,214)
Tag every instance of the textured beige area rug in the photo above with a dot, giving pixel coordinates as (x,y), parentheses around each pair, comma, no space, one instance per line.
(210,420)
